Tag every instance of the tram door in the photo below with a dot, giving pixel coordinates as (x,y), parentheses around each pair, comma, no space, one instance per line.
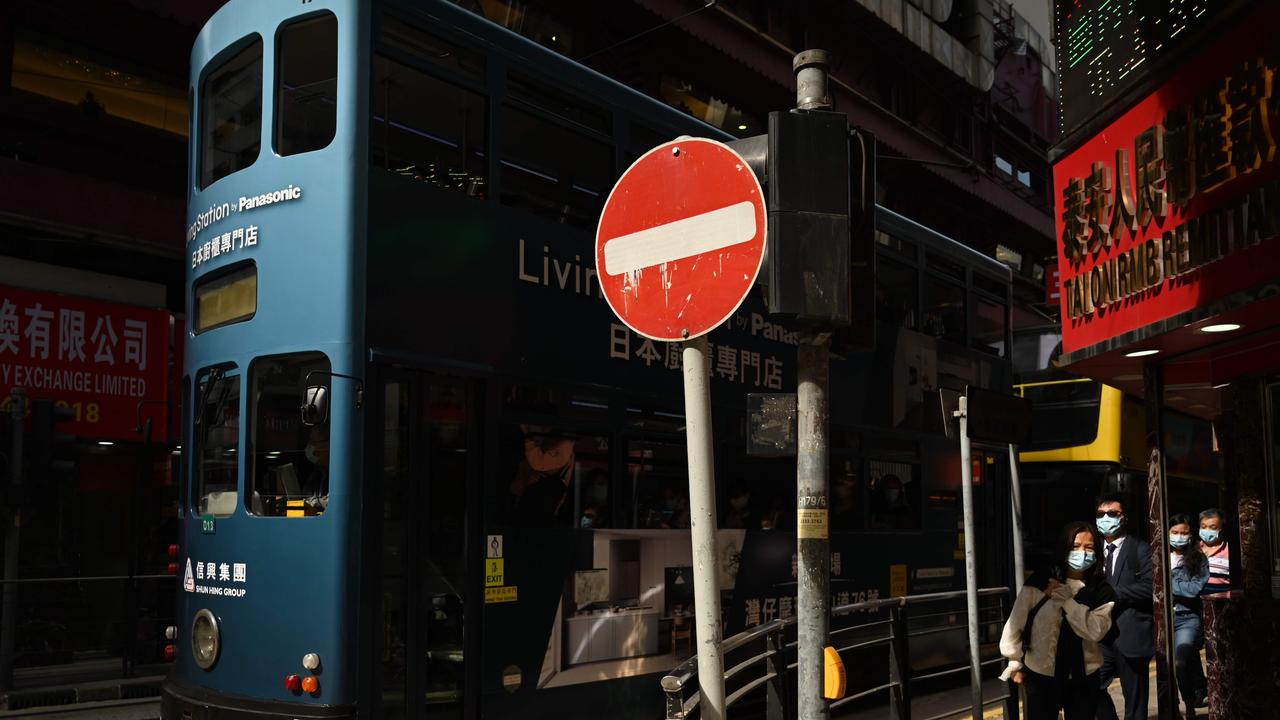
(429,472)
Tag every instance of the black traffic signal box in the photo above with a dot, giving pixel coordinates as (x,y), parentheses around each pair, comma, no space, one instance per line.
(51,451)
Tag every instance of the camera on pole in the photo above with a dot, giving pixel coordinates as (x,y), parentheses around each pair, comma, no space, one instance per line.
(51,451)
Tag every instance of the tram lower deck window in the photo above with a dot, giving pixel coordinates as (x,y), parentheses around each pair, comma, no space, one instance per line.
(217,435)
(288,463)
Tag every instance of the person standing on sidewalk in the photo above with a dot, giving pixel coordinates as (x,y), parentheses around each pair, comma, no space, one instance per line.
(1189,570)
(1214,547)
(1051,636)
(1128,648)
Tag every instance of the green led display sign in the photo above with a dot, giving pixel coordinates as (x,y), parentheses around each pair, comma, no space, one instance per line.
(1107,47)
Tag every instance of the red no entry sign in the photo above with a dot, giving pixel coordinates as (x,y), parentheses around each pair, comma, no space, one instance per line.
(681,239)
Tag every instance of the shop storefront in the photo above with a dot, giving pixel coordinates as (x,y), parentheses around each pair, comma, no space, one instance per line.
(92,580)
(1168,217)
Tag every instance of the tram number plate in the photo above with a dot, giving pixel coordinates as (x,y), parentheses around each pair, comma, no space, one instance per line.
(206,524)
(493,572)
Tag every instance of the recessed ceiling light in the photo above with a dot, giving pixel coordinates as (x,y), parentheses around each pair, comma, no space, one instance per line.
(742,127)
(1219,386)
(1220,327)
(105,443)
(1141,353)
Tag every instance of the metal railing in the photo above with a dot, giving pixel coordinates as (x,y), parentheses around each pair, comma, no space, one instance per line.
(762,659)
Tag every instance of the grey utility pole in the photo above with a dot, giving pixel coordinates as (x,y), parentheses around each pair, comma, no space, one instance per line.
(1015,501)
(9,608)
(813,571)
(702,521)
(970,558)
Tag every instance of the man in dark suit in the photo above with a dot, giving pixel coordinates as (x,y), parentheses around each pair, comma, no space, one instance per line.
(1128,648)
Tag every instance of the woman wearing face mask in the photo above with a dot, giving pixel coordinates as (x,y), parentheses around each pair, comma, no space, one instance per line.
(1051,637)
(1189,570)
(1214,547)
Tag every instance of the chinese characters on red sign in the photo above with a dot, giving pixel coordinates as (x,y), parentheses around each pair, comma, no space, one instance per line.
(99,359)
(1185,181)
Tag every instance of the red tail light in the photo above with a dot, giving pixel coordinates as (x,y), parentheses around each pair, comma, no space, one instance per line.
(173,568)
(170,652)
(293,683)
(173,551)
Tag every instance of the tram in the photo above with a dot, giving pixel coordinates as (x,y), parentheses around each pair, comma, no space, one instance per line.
(428,473)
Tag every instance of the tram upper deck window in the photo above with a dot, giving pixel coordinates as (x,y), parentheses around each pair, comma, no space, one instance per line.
(405,40)
(944,309)
(553,171)
(231,114)
(288,465)
(897,293)
(427,129)
(306,84)
(559,478)
(217,435)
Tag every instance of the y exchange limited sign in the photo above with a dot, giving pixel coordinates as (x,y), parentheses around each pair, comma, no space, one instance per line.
(98,359)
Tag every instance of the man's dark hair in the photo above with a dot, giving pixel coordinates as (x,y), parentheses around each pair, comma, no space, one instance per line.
(1096,572)
(1211,513)
(1113,498)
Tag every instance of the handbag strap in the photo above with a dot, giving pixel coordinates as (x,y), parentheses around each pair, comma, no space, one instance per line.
(1026,629)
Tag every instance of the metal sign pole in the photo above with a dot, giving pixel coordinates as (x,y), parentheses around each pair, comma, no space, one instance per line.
(9,606)
(970,559)
(702,520)
(813,566)
(1015,501)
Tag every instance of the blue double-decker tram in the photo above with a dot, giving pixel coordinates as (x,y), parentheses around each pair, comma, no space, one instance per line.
(428,473)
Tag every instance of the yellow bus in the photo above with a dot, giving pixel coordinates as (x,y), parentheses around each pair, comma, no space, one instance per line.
(1088,439)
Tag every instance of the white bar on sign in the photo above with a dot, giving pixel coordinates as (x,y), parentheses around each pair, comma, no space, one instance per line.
(680,239)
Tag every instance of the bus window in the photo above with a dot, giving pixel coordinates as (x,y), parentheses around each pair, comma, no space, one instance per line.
(427,129)
(944,309)
(895,496)
(231,114)
(288,461)
(553,171)
(897,293)
(989,326)
(217,443)
(306,84)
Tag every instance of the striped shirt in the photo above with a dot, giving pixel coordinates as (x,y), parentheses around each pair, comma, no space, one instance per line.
(1219,568)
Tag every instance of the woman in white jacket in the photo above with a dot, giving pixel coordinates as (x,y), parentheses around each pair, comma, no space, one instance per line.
(1051,636)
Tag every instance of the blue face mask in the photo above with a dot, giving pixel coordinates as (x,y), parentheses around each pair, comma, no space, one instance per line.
(1209,536)
(1080,559)
(1108,525)
(1179,540)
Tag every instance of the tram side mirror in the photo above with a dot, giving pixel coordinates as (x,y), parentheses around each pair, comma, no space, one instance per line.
(315,405)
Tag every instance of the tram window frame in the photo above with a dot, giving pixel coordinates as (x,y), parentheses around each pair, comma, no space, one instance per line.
(221,67)
(475,157)
(525,195)
(976,301)
(425,49)
(286,138)
(307,363)
(528,91)
(912,494)
(230,374)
